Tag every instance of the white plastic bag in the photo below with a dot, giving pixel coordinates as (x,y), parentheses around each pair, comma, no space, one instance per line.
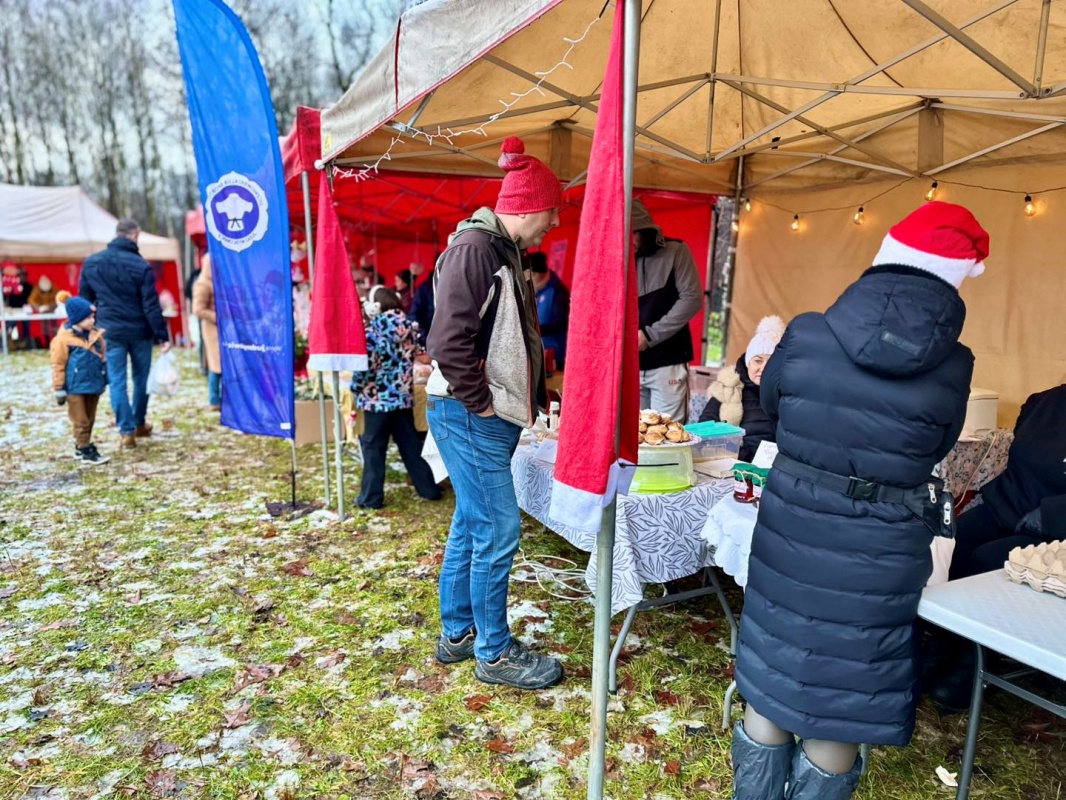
(163,378)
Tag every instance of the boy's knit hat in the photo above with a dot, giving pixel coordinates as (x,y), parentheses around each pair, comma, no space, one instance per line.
(78,308)
(529,185)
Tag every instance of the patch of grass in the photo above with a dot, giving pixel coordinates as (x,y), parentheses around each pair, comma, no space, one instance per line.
(333,690)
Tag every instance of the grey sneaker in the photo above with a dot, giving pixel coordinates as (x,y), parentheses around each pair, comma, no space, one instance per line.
(449,652)
(520,668)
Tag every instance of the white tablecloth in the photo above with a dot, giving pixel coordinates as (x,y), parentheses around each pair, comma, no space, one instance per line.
(657,538)
(728,532)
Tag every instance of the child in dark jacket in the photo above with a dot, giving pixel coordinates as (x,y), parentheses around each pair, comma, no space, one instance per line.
(79,374)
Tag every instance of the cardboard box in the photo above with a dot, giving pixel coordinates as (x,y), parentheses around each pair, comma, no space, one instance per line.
(308,423)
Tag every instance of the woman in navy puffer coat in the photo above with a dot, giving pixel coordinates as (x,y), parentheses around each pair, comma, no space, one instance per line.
(875,388)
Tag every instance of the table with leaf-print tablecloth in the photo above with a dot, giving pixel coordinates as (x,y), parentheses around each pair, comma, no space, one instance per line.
(657,538)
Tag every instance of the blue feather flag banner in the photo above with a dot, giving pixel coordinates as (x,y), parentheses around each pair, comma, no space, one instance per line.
(242,186)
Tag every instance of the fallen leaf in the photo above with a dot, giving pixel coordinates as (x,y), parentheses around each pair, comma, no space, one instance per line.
(134,599)
(156,750)
(161,782)
(270,534)
(666,697)
(434,559)
(298,569)
(168,679)
(239,717)
(575,749)
(414,770)
(348,765)
(432,684)
(18,762)
(253,674)
(499,746)
(295,660)
(627,682)
(703,628)
(344,618)
(486,794)
(672,767)
(332,660)
(947,778)
(476,702)
(60,623)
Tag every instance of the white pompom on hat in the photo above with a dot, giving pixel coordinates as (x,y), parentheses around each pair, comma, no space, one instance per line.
(768,334)
(943,239)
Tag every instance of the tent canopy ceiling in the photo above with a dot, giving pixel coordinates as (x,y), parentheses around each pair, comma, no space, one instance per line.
(812,93)
(48,224)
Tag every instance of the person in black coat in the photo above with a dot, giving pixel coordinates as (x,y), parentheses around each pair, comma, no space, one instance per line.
(122,286)
(423,307)
(734,396)
(869,397)
(1024,505)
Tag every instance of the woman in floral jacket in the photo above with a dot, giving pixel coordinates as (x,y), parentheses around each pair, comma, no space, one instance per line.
(385,394)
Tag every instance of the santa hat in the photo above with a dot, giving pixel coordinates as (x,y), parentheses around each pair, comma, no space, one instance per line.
(529,186)
(940,238)
(767,335)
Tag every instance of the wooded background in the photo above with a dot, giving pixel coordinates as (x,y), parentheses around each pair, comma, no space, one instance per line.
(91,92)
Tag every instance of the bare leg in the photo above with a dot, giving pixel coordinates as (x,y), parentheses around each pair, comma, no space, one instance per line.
(760,729)
(836,757)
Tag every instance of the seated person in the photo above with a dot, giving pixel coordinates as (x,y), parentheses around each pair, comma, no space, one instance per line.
(1024,505)
(734,396)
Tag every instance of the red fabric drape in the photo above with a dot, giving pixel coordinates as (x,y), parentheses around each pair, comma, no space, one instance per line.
(602,379)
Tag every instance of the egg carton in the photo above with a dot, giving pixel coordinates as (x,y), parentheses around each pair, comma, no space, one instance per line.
(1041,566)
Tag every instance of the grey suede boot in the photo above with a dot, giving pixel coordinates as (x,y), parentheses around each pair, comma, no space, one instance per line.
(759,770)
(808,781)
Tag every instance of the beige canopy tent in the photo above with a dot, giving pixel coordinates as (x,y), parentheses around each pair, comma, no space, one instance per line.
(807,106)
(51,224)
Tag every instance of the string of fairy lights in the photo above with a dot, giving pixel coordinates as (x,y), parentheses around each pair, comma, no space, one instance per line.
(1029,205)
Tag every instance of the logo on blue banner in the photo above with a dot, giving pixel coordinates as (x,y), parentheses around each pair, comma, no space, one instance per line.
(236,211)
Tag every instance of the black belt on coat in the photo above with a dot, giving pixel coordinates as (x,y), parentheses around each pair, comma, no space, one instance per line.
(928,502)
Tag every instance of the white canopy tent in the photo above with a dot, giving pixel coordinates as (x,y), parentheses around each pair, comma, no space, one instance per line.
(809,106)
(53,224)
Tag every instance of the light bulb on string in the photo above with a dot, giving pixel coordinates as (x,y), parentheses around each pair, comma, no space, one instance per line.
(1030,206)
(796,222)
(747,204)
(734,225)
(859,217)
(931,194)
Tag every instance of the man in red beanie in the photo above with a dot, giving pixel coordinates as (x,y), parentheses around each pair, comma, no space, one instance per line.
(487,384)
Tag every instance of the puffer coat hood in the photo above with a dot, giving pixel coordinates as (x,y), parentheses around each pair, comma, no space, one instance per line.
(897,321)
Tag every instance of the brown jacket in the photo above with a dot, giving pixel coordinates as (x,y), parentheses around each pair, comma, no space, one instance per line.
(203,306)
(60,351)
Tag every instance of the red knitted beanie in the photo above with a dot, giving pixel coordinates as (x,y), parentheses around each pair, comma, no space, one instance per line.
(529,185)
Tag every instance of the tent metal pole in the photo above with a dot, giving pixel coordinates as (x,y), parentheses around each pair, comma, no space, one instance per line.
(970,44)
(3,325)
(731,263)
(714,83)
(601,648)
(999,146)
(305,183)
(338,434)
(185,272)
(1041,46)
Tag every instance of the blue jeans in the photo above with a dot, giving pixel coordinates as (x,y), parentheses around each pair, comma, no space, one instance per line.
(399,425)
(214,388)
(484,534)
(139,353)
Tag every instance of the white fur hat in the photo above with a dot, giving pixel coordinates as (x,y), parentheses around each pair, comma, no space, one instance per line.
(767,334)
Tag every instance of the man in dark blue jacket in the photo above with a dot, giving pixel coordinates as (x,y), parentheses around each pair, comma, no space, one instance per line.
(122,286)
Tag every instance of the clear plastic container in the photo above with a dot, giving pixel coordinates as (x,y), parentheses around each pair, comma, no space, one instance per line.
(662,469)
(718,440)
